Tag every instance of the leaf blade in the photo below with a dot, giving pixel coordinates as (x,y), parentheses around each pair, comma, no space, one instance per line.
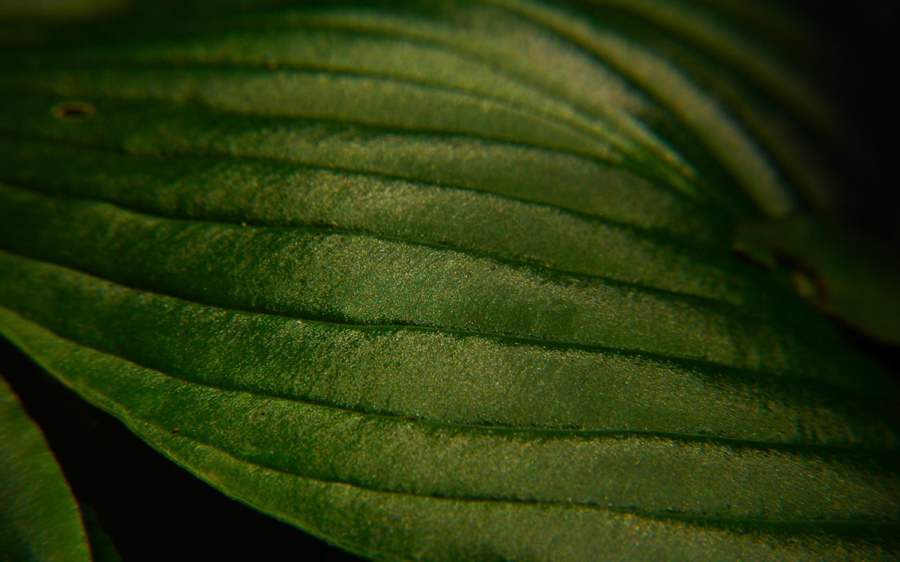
(39,517)
(533,342)
(228,469)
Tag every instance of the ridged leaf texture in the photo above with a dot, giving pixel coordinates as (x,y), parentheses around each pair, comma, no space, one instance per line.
(451,280)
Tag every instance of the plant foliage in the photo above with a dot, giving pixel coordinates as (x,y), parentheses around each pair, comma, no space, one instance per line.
(451,279)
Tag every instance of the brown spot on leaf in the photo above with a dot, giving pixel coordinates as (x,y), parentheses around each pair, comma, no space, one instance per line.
(73,111)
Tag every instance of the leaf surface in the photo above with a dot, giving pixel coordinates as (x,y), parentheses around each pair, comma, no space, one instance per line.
(39,518)
(448,280)
(846,275)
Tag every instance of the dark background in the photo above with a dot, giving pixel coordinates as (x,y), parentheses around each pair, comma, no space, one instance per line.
(150,508)
(153,510)
(865,36)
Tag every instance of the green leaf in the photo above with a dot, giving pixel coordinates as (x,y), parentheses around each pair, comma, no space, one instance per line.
(102,547)
(450,280)
(39,518)
(849,276)
(59,10)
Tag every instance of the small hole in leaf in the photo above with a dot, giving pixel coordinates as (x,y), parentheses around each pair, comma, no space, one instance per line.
(73,111)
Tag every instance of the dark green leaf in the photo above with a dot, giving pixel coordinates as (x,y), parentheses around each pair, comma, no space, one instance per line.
(39,519)
(102,548)
(450,280)
(845,274)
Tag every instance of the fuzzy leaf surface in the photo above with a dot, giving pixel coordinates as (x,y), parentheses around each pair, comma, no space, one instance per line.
(450,279)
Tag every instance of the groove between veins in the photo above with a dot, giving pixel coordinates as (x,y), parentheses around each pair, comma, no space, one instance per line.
(545,432)
(156,427)
(376,31)
(324,69)
(699,299)
(127,414)
(193,100)
(630,164)
(662,515)
(504,339)
(212,153)
(389,30)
